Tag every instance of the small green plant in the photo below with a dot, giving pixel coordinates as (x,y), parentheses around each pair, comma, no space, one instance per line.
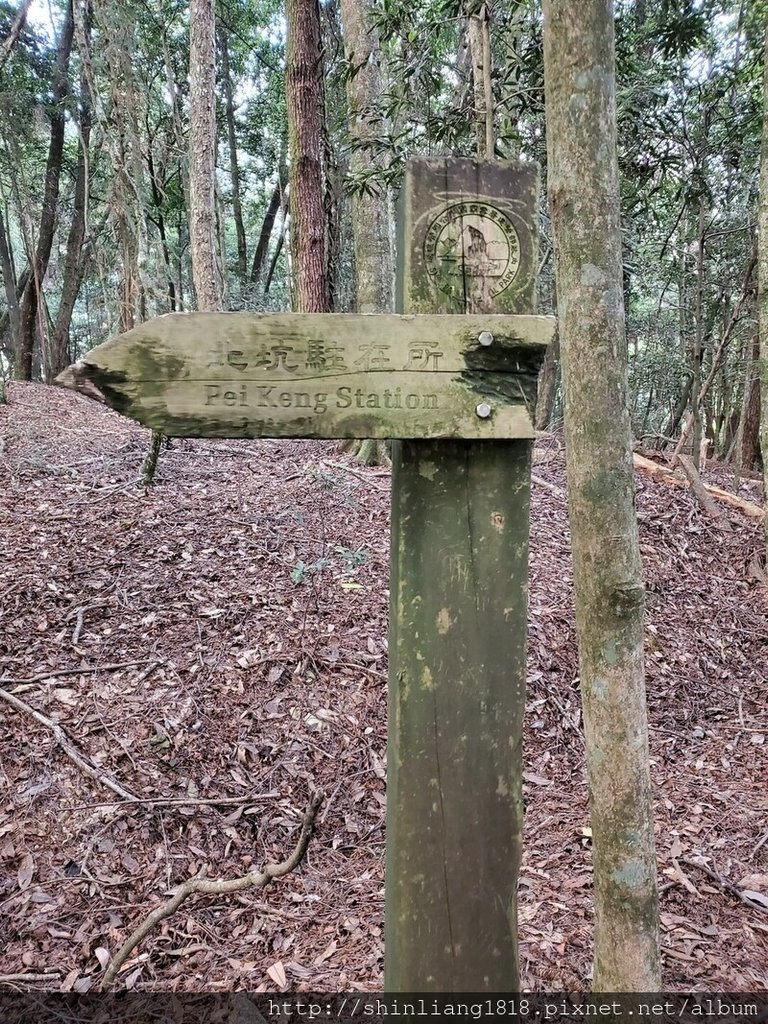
(302,570)
(353,558)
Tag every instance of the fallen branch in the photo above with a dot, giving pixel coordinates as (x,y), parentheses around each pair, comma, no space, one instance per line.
(88,670)
(53,976)
(541,482)
(183,801)
(759,845)
(200,884)
(703,496)
(66,745)
(658,472)
(363,474)
(724,884)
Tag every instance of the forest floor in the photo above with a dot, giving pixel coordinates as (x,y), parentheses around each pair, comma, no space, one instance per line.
(223,637)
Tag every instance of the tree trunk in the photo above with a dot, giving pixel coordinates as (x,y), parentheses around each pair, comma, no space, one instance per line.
(9,285)
(267,226)
(32,298)
(60,355)
(762,285)
(234,169)
(13,36)
(304,90)
(697,352)
(374,281)
(579,66)
(478,34)
(748,433)
(202,153)
(549,376)
(278,249)
(370,209)
(676,414)
(161,229)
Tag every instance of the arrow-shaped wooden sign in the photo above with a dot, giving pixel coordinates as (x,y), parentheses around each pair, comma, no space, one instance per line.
(322,375)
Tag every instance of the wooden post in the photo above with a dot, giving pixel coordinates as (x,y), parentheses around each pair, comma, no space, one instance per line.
(460,519)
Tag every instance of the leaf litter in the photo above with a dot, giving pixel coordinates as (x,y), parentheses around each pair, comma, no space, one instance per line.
(218,646)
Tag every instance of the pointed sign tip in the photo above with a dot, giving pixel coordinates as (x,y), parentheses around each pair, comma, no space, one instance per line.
(75,378)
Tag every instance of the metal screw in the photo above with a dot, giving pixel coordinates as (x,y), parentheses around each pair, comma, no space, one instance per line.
(485,338)
(483,410)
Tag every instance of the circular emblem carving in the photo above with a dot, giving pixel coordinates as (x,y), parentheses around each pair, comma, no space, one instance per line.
(472,239)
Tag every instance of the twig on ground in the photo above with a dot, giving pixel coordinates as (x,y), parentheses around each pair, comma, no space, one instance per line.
(364,475)
(724,884)
(7,978)
(759,845)
(201,884)
(66,745)
(549,486)
(78,626)
(88,670)
(176,800)
(147,672)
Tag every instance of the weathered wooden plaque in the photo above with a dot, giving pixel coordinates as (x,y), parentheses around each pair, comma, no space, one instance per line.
(468,237)
(322,375)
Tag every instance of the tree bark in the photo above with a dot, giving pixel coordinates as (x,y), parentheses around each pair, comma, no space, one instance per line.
(370,209)
(234,168)
(31,299)
(304,90)
(202,153)
(478,34)
(762,285)
(9,285)
(748,431)
(267,226)
(60,355)
(161,229)
(13,36)
(549,376)
(579,67)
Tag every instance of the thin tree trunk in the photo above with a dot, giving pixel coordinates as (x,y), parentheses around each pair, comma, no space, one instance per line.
(762,285)
(202,153)
(697,353)
(549,376)
(267,226)
(60,355)
(304,90)
(31,300)
(370,209)
(9,284)
(748,433)
(161,230)
(276,254)
(234,169)
(478,34)
(579,67)
(13,36)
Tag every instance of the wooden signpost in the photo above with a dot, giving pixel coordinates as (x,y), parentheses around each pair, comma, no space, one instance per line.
(459,392)
(321,375)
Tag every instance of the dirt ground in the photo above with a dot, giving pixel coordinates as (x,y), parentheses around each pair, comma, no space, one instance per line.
(222,637)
